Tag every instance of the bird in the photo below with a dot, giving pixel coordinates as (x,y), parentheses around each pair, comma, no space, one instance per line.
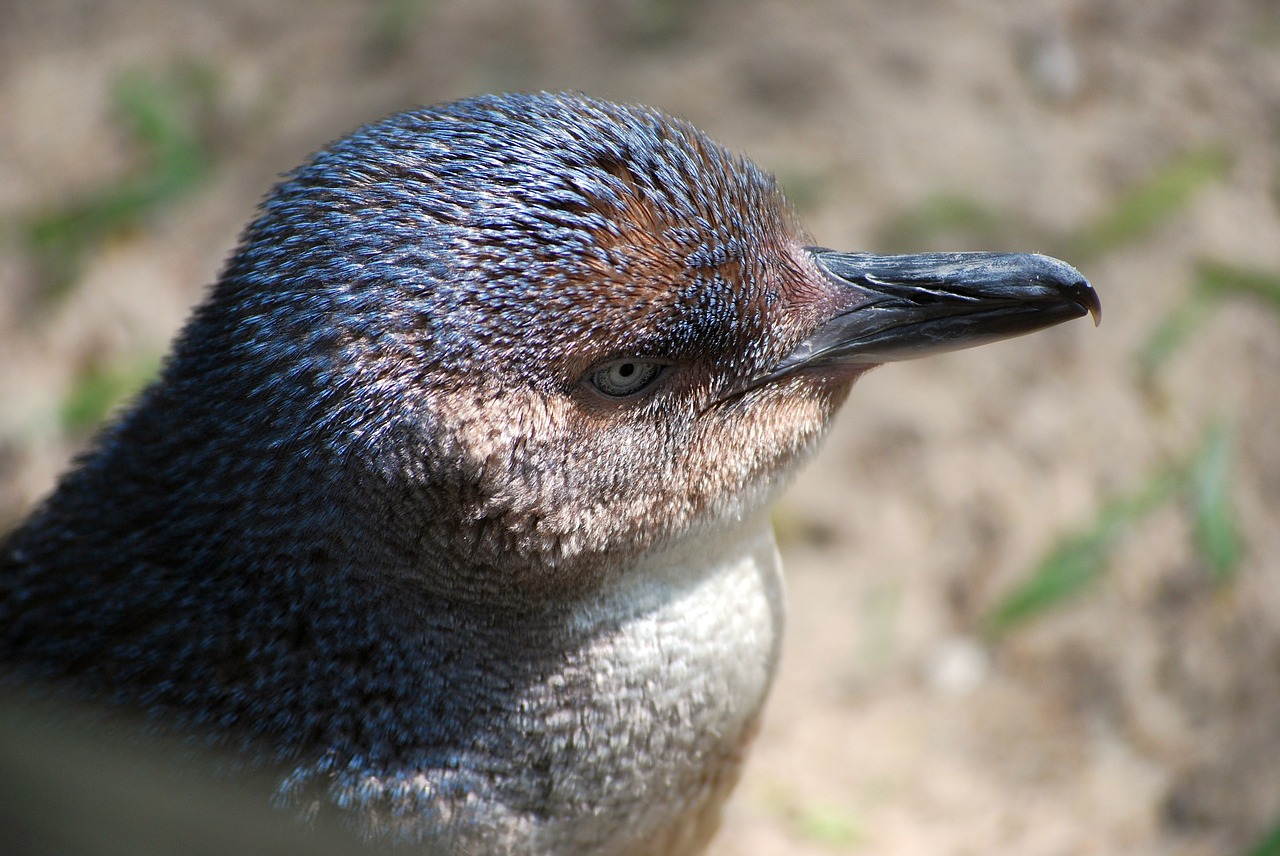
(449,506)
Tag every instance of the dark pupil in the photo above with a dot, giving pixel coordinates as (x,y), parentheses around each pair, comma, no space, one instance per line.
(627,369)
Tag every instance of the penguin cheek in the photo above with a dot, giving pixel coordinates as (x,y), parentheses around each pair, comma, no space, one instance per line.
(752,445)
(622,484)
(563,479)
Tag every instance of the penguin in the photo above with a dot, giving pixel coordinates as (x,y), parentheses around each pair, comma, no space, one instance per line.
(448,509)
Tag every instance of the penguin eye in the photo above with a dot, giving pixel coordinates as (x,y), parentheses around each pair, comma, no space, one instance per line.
(621,378)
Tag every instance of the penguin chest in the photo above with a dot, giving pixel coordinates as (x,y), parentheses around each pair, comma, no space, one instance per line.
(675,681)
(619,728)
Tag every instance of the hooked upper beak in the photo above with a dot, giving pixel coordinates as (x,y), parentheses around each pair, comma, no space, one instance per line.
(903,307)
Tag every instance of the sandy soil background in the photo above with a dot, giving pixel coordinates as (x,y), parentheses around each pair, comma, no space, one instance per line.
(1138,140)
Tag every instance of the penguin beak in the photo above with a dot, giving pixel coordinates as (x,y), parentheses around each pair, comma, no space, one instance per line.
(902,307)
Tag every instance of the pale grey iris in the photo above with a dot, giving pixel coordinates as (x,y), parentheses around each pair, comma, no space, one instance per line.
(621,378)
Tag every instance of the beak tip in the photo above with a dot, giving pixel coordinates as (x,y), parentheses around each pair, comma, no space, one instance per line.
(1073,284)
(1088,299)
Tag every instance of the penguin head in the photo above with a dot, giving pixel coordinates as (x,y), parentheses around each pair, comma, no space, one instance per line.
(529,338)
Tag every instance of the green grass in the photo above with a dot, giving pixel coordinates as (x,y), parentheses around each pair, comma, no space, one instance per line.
(392,24)
(831,826)
(1149,204)
(947,219)
(834,827)
(1269,845)
(1216,534)
(161,116)
(1201,483)
(1081,557)
(99,389)
(958,220)
(1215,284)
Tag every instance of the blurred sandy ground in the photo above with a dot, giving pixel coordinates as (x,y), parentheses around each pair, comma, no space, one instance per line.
(1142,717)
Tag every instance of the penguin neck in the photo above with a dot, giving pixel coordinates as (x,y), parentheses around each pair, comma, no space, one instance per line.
(704,559)
(655,681)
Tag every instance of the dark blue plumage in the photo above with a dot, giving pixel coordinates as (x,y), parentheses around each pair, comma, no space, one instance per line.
(450,502)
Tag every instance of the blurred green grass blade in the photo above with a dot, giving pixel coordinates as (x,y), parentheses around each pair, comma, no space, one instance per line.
(956,219)
(806,189)
(160,112)
(1219,280)
(164,114)
(827,825)
(1269,845)
(1139,211)
(1188,316)
(1081,558)
(940,217)
(97,391)
(1061,575)
(162,118)
(1216,535)
(1215,283)
(392,25)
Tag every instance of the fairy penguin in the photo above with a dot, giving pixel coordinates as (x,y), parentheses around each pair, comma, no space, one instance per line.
(449,505)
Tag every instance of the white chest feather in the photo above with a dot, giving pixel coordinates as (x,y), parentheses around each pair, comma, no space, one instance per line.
(626,741)
(680,674)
